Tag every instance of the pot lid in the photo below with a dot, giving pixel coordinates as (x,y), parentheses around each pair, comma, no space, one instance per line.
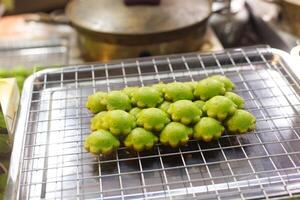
(114,17)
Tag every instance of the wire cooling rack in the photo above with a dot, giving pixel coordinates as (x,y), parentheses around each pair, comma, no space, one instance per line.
(261,164)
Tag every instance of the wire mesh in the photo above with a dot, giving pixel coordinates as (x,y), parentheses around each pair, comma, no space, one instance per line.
(261,164)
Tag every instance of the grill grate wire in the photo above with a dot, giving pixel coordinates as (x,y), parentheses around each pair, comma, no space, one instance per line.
(262,164)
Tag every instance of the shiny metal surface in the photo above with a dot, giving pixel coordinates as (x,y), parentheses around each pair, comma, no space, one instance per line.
(114,17)
(50,162)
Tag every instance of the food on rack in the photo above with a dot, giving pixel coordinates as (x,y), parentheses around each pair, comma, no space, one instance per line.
(229,85)
(99,121)
(219,107)
(101,142)
(152,119)
(119,122)
(241,122)
(238,100)
(95,103)
(208,129)
(165,106)
(192,84)
(208,88)
(117,100)
(178,91)
(199,104)
(169,111)
(159,86)
(146,97)
(140,139)
(175,134)
(129,90)
(185,111)
(135,111)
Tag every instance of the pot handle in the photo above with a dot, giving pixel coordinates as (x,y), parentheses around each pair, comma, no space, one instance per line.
(9,103)
(141,2)
(273,1)
(296,52)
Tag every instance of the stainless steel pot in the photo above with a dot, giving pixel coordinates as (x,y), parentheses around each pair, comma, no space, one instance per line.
(290,11)
(110,29)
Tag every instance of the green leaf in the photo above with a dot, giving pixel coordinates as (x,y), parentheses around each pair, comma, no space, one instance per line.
(3,182)
(2,122)
(4,144)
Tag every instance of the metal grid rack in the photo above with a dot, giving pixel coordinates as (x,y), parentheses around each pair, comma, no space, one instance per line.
(261,164)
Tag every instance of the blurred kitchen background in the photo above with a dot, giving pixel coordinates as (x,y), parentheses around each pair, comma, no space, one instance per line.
(46,33)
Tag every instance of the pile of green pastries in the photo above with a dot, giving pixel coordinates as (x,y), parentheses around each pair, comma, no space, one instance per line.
(140,117)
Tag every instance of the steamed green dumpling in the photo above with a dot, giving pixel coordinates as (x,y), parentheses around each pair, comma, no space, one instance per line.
(185,111)
(152,119)
(101,142)
(165,106)
(208,88)
(159,87)
(229,85)
(146,97)
(241,122)
(94,102)
(175,134)
(199,104)
(130,90)
(178,91)
(135,111)
(219,107)
(140,139)
(117,100)
(238,100)
(208,129)
(192,84)
(99,122)
(120,122)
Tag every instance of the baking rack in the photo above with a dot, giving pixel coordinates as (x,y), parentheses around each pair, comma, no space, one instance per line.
(51,163)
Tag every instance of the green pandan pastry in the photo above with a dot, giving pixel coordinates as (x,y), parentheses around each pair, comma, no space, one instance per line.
(175,134)
(165,106)
(130,90)
(94,102)
(199,104)
(208,129)
(238,100)
(135,111)
(152,119)
(159,87)
(241,122)
(208,88)
(101,142)
(178,91)
(117,100)
(229,85)
(146,97)
(99,122)
(192,84)
(140,139)
(219,107)
(120,122)
(185,111)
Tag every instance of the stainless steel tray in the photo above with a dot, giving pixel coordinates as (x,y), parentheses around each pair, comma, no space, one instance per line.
(49,161)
